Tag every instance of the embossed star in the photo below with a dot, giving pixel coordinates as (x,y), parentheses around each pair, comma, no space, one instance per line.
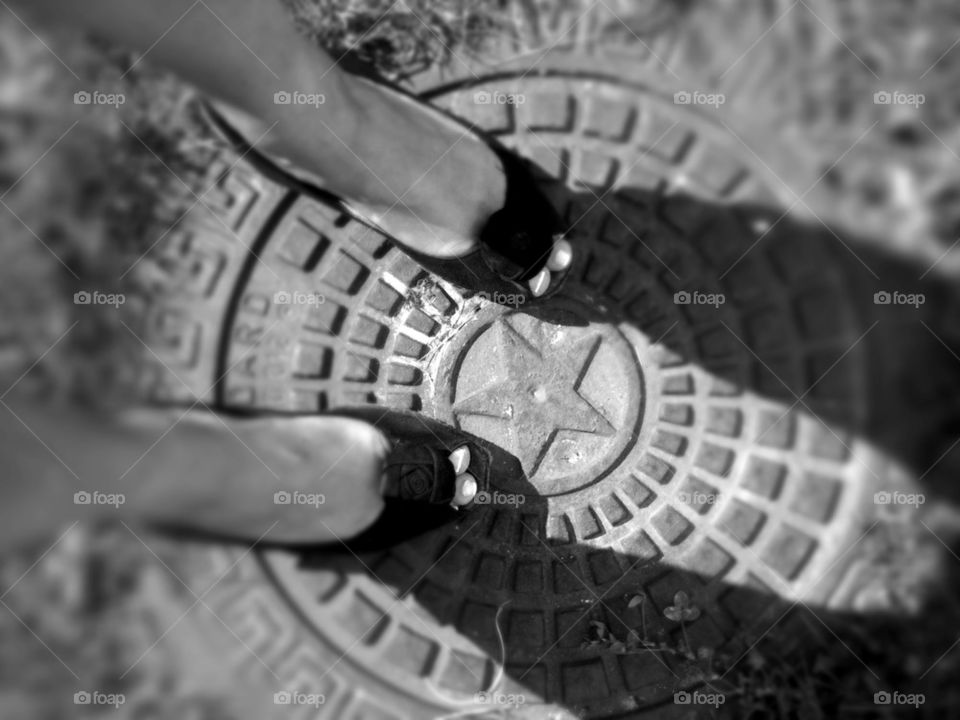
(535,389)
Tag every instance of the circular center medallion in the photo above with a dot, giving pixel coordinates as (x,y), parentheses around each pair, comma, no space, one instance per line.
(566,399)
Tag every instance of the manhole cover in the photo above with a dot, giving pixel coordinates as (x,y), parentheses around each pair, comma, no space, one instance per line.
(647,405)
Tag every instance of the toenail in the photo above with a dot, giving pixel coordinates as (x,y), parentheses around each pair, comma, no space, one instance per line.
(561,256)
(460,459)
(540,282)
(466,489)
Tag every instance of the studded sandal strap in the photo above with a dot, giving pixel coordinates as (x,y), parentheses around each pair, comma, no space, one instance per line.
(419,472)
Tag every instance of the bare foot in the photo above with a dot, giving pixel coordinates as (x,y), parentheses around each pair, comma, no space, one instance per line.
(445,180)
(277,479)
(422,177)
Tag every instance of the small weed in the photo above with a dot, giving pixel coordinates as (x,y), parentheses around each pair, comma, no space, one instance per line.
(638,639)
(682,612)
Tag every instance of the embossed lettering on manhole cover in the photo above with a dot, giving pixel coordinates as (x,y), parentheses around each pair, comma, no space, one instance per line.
(661,452)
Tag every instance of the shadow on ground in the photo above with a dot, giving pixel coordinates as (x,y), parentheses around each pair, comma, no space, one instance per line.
(830,370)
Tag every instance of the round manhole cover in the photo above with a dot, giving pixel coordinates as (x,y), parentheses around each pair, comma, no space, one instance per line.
(647,405)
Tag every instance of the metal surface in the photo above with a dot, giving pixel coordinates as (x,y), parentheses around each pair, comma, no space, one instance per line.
(664,446)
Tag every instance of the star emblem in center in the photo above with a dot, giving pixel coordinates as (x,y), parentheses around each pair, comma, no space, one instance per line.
(535,389)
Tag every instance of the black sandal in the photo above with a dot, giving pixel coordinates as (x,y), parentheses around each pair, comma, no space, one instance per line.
(515,244)
(427,457)
(420,475)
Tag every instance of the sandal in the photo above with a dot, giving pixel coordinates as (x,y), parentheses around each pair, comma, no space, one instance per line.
(432,474)
(429,461)
(515,245)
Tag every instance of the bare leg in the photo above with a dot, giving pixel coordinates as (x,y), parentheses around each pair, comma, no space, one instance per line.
(427,182)
(218,475)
